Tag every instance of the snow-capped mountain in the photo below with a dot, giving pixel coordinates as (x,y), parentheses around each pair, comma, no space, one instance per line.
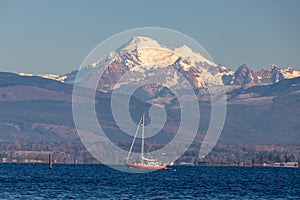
(144,57)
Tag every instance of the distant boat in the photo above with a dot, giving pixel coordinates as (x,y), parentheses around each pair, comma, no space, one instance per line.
(287,164)
(144,163)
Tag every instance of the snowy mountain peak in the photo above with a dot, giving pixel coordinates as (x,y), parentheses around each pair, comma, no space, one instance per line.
(192,56)
(290,72)
(185,49)
(244,76)
(143,56)
(273,66)
(141,42)
(147,52)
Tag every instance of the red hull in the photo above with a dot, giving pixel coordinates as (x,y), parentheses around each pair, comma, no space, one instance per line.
(160,167)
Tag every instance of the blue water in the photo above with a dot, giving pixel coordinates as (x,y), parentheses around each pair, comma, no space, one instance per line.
(35,181)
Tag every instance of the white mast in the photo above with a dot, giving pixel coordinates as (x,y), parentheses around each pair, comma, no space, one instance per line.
(137,130)
(143,136)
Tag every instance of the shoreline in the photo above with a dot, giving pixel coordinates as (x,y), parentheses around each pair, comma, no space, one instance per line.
(120,165)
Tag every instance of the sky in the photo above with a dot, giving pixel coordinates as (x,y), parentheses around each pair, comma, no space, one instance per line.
(55,36)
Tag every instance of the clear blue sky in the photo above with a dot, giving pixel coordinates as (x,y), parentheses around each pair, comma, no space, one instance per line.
(56,35)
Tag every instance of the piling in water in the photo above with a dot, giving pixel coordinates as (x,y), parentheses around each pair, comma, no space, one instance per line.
(50,160)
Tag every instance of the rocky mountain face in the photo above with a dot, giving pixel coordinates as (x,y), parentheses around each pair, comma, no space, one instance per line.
(246,76)
(270,75)
(243,76)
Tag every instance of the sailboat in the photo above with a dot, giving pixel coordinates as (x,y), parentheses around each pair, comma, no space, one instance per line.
(144,163)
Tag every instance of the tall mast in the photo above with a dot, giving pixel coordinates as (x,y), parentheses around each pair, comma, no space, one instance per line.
(137,130)
(143,136)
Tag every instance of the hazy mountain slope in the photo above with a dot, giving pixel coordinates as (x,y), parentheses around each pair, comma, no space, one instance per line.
(250,117)
(10,79)
(35,109)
